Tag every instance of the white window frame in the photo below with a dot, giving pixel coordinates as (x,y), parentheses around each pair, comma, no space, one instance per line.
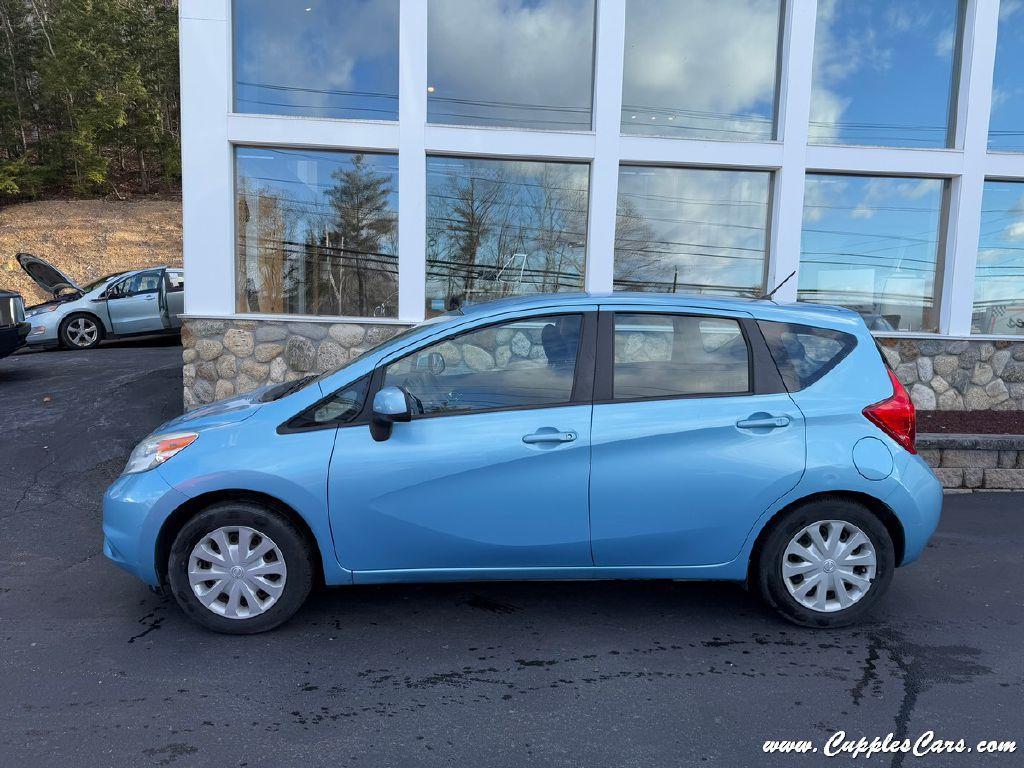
(211,129)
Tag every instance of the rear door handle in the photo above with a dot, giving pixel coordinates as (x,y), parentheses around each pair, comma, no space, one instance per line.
(549,437)
(768,422)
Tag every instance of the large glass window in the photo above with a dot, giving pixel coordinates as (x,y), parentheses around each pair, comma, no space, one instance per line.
(513,63)
(701,68)
(999,279)
(518,364)
(500,228)
(316,232)
(874,244)
(678,355)
(691,230)
(1006,125)
(885,72)
(317,58)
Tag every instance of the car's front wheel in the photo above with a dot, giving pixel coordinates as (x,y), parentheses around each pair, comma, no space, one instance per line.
(80,332)
(240,568)
(826,563)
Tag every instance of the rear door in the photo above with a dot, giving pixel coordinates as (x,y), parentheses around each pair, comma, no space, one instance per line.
(693,437)
(174,297)
(134,303)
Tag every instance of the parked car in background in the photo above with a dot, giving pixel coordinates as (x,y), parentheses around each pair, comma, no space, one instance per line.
(139,302)
(13,328)
(623,436)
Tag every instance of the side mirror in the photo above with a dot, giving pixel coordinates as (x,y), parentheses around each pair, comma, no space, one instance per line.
(390,405)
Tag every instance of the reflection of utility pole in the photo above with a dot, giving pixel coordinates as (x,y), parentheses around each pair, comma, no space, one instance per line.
(675,280)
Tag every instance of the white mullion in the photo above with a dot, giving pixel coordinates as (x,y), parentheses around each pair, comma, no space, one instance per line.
(207,165)
(412,160)
(794,114)
(609,47)
(974,104)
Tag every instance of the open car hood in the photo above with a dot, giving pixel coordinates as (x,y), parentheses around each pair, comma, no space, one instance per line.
(45,275)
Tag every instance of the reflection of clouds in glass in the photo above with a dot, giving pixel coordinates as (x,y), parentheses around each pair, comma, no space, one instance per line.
(691,229)
(338,59)
(883,72)
(701,68)
(999,276)
(1006,126)
(519,63)
(871,243)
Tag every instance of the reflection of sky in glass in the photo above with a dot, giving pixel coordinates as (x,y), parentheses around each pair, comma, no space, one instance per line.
(317,58)
(871,244)
(883,71)
(296,253)
(1006,127)
(999,280)
(691,230)
(500,228)
(701,68)
(513,63)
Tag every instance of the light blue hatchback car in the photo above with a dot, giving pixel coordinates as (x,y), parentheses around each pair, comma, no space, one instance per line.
(622,436)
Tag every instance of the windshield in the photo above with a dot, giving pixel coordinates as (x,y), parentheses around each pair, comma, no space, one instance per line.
(98,283)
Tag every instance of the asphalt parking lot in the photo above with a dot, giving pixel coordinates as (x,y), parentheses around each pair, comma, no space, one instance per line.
(95,670)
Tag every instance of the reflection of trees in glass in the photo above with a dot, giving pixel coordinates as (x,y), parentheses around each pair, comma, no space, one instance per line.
(497,228)
(633,234)
(322,249)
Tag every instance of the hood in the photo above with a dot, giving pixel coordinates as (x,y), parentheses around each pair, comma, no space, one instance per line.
(46,276)
(230,411)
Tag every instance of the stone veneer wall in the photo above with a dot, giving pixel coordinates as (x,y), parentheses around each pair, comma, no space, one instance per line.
(227,357)
(959,375)
(982,462)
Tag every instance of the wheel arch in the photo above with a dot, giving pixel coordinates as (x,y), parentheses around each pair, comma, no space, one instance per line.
(189,509)
(876,506)
(104,333)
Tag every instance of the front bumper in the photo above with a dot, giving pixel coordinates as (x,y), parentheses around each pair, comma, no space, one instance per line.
(43,330)
(134,509)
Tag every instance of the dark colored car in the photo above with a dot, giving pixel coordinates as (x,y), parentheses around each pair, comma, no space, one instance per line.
(13,328)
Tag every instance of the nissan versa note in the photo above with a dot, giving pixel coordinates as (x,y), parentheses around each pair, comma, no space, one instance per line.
(621,436)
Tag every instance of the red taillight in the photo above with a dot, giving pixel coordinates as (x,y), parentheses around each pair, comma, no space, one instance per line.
(895,415)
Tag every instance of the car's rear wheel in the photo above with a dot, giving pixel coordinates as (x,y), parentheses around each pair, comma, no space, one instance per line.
(826,563)
(240,568)
(80,332)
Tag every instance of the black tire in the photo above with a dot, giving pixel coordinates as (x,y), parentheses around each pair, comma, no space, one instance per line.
(68,340)
(768,566)
(294,546)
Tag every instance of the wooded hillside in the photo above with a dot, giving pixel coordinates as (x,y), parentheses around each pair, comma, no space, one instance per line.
(88,97)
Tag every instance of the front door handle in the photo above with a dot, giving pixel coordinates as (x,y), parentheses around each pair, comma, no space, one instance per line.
(763,422)
(541,436)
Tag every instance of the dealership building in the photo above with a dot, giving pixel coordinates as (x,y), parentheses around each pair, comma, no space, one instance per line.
(355,166)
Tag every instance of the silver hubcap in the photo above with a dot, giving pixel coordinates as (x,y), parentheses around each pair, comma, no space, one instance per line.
(829,565)
(82,332)
(237,572)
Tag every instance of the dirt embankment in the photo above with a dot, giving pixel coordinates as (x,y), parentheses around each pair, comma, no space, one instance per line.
(87,239)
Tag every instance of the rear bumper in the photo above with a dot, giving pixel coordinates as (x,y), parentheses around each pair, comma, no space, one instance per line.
(134,509)
(917,502)
(12,338)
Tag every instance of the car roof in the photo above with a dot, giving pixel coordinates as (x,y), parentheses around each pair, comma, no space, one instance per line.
(795,312)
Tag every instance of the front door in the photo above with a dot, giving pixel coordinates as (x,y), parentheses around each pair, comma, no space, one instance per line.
(688,447)
(134,304)
(492,471)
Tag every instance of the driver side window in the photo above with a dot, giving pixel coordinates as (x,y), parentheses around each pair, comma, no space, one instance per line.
(120,289)
(523,363)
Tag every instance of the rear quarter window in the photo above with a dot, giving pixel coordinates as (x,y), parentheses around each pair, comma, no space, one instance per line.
(803,353)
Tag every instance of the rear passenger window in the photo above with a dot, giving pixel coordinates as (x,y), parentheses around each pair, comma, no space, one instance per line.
(678,355)
(804,353)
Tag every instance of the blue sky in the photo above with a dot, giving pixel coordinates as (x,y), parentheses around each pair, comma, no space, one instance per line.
(1006,127)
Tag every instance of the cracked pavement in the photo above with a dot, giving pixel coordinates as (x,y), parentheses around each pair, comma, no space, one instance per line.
(95,670)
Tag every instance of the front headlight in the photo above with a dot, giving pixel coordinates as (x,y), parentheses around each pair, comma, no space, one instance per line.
(155,450)
(41,311)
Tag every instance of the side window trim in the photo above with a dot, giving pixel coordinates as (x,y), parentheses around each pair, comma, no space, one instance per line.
(293,425)
(758,382)
(583,374)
